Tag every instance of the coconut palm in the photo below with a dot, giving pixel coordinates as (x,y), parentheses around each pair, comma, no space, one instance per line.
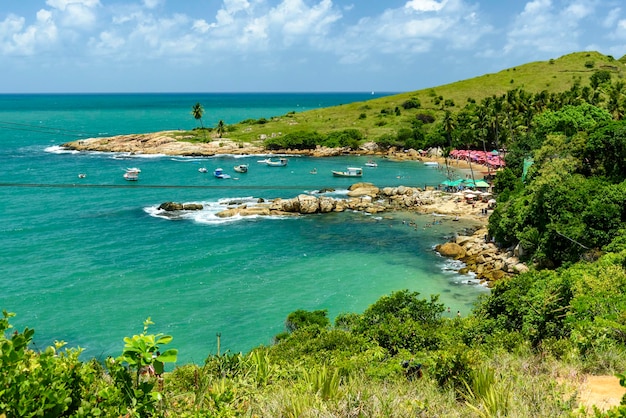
(220,128)
(197,111)
(449,125)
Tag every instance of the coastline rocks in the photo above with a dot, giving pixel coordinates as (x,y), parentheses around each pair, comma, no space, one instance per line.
(451,250)
(485,259)
(363,189)
(173,206)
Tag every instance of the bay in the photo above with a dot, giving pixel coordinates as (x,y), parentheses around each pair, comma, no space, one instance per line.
(87,260)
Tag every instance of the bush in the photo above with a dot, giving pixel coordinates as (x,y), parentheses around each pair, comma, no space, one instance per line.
(295,140)
(347,138)
(412,103)
(425,118)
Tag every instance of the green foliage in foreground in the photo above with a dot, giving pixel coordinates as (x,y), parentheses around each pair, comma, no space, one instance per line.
(518,354)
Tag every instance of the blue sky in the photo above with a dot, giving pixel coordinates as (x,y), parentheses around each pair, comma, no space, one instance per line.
(288,45)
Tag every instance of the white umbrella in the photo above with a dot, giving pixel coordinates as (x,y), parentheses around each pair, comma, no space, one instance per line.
(470,196)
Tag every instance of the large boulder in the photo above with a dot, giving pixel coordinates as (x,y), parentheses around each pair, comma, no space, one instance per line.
(363,189)
(170,206)
(308,204)
(451,250)
(326,204)
(192,206)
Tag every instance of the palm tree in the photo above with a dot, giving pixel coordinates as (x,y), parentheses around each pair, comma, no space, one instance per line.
(197,111)
(221,128)
(449,125)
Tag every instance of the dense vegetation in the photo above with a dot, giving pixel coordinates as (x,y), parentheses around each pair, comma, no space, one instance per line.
(522,351)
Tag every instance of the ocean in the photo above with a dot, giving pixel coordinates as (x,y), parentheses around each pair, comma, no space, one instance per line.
(87,260)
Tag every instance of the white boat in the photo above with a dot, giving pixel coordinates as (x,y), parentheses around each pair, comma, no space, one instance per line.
(82,175)
(241,168)
(132,174)
(280,163)
(264,161)
(219,173)
(371,163)
(431,163)
(350,172)
(203,170)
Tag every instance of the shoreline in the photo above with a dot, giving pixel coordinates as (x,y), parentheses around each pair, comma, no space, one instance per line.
(165,143)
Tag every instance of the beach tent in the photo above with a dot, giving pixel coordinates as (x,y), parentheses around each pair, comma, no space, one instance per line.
(482,184)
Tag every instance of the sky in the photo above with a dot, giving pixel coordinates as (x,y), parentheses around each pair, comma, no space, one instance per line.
(110,46)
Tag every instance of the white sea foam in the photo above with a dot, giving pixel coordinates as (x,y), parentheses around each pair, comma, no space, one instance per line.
(130,156)
(450,268)
(208,214)
(57,149)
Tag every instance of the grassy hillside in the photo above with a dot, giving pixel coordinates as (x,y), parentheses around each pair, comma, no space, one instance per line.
(385,115)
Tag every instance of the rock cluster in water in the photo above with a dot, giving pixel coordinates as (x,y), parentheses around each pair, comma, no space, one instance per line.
(364,197)
(482,257)
(479,255)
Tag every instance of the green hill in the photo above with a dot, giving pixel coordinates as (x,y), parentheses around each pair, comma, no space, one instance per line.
(386,115)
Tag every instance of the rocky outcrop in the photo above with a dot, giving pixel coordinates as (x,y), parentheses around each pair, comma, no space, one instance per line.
(364,197)
(482,257)
(451,250)
(173,206)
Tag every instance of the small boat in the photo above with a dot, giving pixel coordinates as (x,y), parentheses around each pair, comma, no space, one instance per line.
(431,163)
(203,170)
(371,163)
(314,171)
(219,173)
(82,175)
(280,163)
(132,174)
(350,172)
(241,168)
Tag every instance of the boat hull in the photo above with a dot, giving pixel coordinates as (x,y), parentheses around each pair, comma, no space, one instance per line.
(350,172)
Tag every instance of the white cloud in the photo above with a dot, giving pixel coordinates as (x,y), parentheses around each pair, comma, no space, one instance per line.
(64,4)
(75,13)
(620,30)
(544,27)
(612,17)
(18,39)
(153,4)
(417,28)
(426,5)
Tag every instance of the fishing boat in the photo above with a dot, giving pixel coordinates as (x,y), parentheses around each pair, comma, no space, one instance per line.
(132,174)
(241,168)
(350,172)
(371,163)
(219,173)
(280,163)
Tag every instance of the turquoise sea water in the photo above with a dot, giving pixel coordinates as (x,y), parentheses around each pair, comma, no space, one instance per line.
(88,260)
